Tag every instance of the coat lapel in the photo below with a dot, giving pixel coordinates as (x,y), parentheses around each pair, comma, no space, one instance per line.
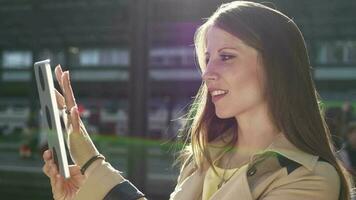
(191,188)
(236,188)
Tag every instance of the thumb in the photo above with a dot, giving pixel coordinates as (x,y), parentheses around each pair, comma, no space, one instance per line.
(74,115)
(80,145)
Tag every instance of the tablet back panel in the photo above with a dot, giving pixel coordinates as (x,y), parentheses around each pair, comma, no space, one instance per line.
(50,112)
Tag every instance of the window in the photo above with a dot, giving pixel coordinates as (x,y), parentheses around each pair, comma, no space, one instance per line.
(336,52)
(16,59)
(89,57)
(171,56)
(350,52)
(114,57)
(104,57)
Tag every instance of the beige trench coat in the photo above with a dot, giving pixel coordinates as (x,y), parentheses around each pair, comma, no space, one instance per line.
(295,175)
(280,172)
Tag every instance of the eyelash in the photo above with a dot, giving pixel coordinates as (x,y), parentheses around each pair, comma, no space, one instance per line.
(223,58)
(226,56)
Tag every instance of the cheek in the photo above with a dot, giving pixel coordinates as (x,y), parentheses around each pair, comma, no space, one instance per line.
(245,83)
(247,95)
(247,90)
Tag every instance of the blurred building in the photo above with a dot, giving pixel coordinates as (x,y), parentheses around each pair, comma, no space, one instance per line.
(91,38)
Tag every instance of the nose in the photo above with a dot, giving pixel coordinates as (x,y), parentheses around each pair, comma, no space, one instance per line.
(209,75)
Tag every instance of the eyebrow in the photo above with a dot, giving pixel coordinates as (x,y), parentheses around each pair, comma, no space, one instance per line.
(233,48)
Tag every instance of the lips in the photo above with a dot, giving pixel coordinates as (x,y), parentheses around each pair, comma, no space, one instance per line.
(217,94)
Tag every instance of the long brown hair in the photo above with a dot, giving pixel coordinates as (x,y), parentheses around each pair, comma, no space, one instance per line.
(292,99)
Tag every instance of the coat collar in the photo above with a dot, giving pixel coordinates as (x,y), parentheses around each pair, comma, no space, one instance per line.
(284,147)
(279,145)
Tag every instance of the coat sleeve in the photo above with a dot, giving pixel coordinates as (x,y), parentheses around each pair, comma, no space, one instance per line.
(323,183)
(102,184)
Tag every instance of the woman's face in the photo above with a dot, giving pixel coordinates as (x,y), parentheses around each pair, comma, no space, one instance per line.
(233,74)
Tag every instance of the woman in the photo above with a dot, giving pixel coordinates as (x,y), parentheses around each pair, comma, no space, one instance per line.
(255,128)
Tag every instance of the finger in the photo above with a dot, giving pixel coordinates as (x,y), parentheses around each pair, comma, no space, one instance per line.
(52,173)
(46,169)
(47,155)
(52,169)
(58,187)
(68,92)
(58,72)
(78,180)
(77,177)
(60,100)
(75,119)
(74,170)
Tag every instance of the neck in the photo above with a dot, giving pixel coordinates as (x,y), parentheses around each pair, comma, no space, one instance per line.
(255,129)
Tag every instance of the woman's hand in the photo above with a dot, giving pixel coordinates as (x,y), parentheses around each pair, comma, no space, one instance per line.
(62,189)
(79,143)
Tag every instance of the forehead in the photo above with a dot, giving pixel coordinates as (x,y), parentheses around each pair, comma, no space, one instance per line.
(219,38)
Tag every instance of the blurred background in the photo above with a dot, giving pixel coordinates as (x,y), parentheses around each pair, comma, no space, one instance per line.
(133,72)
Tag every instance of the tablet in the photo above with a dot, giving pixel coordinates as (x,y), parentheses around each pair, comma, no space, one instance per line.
(51,116)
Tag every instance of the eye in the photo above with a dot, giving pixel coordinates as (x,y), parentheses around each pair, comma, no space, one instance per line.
(206,60)
(226,57)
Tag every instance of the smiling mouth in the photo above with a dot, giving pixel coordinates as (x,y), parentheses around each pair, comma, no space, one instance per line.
(218,94)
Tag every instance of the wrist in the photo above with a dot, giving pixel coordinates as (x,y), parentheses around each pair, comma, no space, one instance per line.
(93,166)
(100,172)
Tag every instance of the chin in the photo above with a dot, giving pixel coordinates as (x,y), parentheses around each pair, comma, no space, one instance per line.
(223,115)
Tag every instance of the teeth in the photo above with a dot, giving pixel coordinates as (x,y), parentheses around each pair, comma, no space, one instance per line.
(218,92)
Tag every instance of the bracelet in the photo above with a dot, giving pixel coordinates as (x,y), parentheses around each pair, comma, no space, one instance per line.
(90,161)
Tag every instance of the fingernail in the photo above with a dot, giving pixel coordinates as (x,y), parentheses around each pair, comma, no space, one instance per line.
(59,68)
(67,75)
